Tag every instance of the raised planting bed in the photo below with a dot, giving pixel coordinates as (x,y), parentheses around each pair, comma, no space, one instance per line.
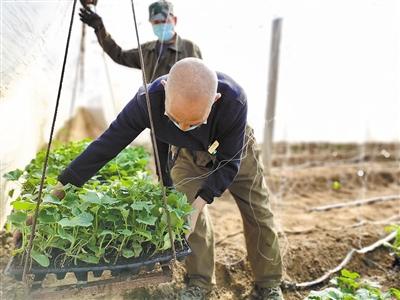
(116,221)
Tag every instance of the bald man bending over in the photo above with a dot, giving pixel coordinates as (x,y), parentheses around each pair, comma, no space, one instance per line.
(205,147)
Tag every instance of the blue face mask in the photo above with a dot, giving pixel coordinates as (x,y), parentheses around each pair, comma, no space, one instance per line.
(164,31)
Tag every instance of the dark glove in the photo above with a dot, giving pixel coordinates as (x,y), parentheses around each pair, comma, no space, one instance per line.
(90,18)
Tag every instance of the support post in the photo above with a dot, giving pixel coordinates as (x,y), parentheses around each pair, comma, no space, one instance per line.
(271,93)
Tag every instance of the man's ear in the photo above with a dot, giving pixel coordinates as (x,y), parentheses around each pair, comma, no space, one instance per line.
(217,97)
(164,83)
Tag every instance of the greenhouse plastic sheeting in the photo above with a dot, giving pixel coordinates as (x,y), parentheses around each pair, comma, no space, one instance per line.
(34,37)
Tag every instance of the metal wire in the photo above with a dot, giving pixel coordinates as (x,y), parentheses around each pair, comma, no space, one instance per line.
(152,134)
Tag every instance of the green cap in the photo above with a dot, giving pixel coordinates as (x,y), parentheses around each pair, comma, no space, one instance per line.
(160,10)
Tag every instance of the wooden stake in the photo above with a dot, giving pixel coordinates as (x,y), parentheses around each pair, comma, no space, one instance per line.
(272,88)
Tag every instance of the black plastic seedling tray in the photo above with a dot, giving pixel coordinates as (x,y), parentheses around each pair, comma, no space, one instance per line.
(122,266)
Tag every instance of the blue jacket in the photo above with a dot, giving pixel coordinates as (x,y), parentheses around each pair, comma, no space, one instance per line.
(225,124)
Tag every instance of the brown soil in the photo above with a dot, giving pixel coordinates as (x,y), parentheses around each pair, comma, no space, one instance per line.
(312,242)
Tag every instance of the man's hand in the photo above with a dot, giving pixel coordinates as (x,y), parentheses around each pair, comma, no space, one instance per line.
(85,3)
(197,205)
(90,18)
(58,191)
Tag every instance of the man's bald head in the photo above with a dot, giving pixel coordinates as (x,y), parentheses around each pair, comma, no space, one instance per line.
(191,89)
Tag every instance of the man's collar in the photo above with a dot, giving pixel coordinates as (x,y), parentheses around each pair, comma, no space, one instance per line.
(176,45)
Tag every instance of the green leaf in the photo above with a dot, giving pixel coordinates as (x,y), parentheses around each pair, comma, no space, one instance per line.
(167,242)
(125,232)
(172,199)
(40,258)
(49,198)
(59,244)
(327,294)
(173,218)
(62,233)
(83,206)
(48,216)
(89,258)
(141,205)
(51,180)
(13,175)
(127,253)
(148,220)
(99,251)
(137,249)
(113,218)
(84,220)
(124,213)
(126,183)
(90,197)
(76,211)
(363,294)
(349,274)
(11,193)
(395,292)
(17,217)
(47,230)
(23,205)
(106,200)
(105,232)
(95,209)
(70,200)
(144,233)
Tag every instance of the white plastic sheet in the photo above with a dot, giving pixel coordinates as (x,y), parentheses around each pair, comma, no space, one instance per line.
(33,36)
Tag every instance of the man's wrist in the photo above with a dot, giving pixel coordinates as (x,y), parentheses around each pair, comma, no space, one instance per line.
(99,27)
(197,205)
(205,194)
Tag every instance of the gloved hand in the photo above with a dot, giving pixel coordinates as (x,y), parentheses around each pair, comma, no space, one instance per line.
(90,18)
(87,2)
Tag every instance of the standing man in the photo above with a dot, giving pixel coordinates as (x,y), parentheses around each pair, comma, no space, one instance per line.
(159,55)
(202,114)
